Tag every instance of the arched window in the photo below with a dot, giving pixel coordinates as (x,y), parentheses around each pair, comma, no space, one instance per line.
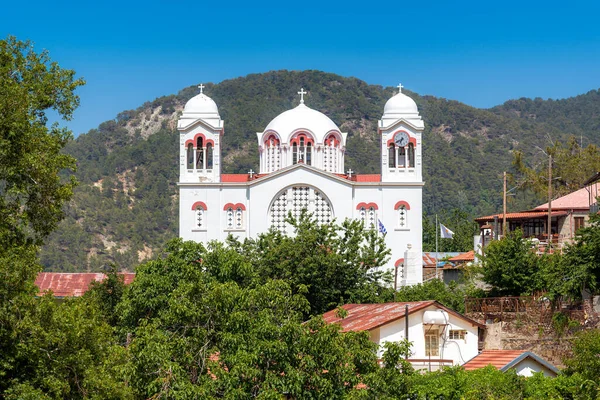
(308,154)
(301,151)
(272,154)
(411,155)
(392,156)
(294,153)
(190,156)
(200,153)
(295,199)
(209,156)
(402,217)
(368,215)
(200,217)
(402,209)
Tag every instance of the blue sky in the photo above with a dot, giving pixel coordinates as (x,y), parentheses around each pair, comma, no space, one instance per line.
(481,53)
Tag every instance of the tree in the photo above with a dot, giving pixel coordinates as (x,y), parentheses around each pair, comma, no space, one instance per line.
(511,267)
(32,193)
(330,264)
(572,166)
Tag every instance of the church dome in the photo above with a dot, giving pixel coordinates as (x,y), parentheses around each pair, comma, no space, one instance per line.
(400,104)
(201,104)
(302,117)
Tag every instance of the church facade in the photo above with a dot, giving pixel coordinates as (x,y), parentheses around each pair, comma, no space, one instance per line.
(302,167)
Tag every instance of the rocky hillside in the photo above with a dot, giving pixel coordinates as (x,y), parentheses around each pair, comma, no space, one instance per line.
(126,204)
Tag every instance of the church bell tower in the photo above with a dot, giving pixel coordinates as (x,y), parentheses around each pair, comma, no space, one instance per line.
(200,128)
(401,130)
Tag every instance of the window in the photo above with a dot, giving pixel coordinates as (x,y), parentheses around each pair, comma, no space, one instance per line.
(368,215)
(402,217)
(294,153)
(579,223)
(432,341)
(272,152)
(401,157)
(234,216)
(200,217)
(295,199)
(190,156)
(308,154)
(331,154)
(209,156)
(200,153)
(457,334)
(392,156)
(411,155)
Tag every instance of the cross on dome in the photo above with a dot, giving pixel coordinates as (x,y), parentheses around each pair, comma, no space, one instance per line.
(201,87)
(302,93)
(399,88)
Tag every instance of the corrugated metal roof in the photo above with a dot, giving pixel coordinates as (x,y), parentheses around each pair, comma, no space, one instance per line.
(521,215)
(579,199)
(364,317)
(71,284)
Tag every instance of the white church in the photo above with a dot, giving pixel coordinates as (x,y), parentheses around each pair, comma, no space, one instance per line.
(302,167)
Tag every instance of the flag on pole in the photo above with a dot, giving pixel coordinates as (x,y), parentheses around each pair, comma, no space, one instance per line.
(445,233)
(381,227)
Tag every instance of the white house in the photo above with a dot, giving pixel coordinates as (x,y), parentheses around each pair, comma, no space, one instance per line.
(439,336)
(302,167)
(525,363)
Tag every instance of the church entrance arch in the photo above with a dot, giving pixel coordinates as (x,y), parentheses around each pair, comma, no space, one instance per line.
(296,198)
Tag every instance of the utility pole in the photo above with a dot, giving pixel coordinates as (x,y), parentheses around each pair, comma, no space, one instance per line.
(549,200)
(504,208)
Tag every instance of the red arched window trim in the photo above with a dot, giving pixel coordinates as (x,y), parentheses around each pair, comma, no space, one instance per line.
(333,137)
(400,204)
(199,204)
(234,206)
(307,139)
(367,206)
(399,262)
(272,138)
(204,140)
(188,142)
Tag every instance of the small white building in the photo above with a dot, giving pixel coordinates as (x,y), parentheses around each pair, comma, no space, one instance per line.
(439,336)
(525,363)
(302,167)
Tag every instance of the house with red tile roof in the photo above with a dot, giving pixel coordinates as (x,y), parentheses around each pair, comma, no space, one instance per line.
(71,284)
(525,363)
(568,214)
(439,335)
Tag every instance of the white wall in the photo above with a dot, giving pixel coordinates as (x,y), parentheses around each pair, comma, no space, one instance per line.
(528,367)
(344,196)
(459,351)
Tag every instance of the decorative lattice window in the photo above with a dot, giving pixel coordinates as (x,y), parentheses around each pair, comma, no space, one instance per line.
(200,217)
(234,218)
(294,200)
(368,215)
(402,217)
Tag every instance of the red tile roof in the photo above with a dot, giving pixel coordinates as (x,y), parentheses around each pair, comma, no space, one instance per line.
(497,358)
(71,284)
(521,215)
(364,317)
(232,178)
(463,257)
(368,178)
(504,360)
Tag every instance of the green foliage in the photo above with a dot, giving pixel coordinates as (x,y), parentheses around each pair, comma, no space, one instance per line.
(458,221)
(572,165)
(511,267)
(329,264)
(452,296)
(32,193)
(586,359)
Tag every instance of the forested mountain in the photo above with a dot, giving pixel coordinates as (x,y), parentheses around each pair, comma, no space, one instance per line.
(126,204)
